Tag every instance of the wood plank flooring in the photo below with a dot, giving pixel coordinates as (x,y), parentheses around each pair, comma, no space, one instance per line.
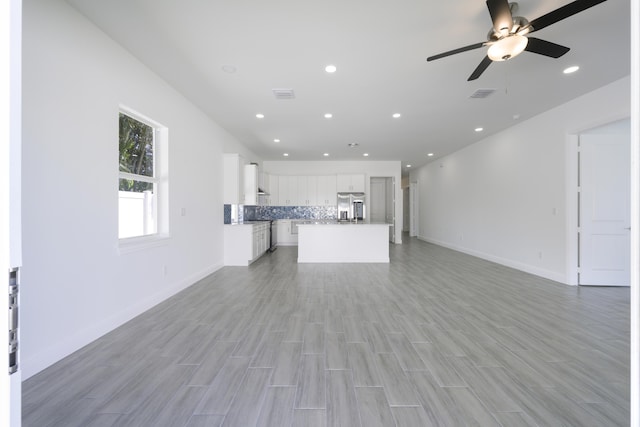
(435,338)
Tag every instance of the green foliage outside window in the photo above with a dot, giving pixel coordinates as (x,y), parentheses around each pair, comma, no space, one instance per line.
(136,152)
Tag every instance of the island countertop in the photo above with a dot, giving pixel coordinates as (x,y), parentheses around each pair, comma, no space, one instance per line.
(312,222)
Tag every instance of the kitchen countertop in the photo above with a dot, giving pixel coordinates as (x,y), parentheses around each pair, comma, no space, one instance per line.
(249,222)
(301,222)
(321,222)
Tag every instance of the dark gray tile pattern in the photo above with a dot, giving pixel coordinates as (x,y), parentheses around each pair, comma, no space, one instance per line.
(435,338)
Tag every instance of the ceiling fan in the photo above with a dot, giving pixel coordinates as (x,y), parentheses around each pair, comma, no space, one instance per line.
(508,36)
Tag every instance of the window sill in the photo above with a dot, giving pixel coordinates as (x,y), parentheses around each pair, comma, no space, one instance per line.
(134,244)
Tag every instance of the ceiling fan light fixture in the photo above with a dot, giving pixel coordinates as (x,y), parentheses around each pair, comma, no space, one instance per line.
(507,47)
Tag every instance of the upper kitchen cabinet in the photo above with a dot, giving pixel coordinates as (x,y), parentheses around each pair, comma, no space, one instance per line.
(351,183)
(308,190)
(251,185)
(233,179)
(327,189)
(273,189)
(288,191)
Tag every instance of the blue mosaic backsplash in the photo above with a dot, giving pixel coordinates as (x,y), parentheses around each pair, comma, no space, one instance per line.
(258,213)
(227,214)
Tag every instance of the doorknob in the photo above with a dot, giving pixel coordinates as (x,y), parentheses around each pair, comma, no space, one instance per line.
(627,228)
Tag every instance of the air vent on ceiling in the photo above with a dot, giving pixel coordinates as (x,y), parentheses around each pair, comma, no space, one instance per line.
(482,93)
(283,93)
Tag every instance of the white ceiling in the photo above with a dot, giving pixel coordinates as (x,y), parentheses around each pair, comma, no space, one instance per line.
(380,48)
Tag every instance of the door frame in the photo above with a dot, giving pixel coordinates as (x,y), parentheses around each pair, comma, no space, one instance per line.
(572,205)
(10,194)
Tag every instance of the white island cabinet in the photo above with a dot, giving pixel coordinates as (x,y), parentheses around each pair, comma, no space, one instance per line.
(343,242)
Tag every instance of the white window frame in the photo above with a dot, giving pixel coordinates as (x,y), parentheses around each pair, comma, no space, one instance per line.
(160,207)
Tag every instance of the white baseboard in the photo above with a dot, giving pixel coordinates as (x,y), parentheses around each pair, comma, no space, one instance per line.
(47,357)
(527,268)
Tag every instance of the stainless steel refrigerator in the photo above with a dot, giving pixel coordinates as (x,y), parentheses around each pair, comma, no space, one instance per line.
(351,207)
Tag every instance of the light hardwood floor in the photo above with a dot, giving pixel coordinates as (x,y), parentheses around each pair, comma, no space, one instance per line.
(435,337)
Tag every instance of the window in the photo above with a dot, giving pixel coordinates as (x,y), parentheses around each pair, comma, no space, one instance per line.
(141,184)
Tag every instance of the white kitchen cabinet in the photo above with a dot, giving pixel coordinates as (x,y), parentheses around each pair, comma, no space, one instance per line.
(272,188)
(285,234)
(288,191)
(233,193)
(260,239)
(351,183)
(327,189)
(312,191)
(245,243)
(251,185)
(307,190)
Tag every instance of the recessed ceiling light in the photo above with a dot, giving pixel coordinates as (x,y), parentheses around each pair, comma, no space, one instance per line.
(430,154)
(516,116)
(353,144)
(479,129)
(326,154)
(396,115)
(570,70)
(286,154)
(366,154)
(328,116)
(276,140)
(408,166)
(330,68)
(260,116)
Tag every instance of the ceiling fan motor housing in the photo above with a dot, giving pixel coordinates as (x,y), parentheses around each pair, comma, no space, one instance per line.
(520,26)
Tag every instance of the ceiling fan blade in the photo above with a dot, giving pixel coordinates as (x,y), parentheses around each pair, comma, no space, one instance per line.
(562,13)
(454,51)
(500,15)
(545,48)
(480,68)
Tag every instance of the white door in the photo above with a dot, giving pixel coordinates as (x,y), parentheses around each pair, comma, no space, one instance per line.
(413,209)
(382,204)
(390,217)
(378,205)
(604,210)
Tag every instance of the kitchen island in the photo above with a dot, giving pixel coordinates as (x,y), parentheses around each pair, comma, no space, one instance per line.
(329,242)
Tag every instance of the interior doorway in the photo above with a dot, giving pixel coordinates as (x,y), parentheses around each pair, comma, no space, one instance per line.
(604,230)
(413,209)
(382,203)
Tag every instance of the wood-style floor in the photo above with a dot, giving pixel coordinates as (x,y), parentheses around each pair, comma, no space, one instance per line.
(434,338)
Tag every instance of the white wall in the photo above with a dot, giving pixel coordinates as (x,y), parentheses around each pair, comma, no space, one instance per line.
(369,168)
(504,198)
(76,284)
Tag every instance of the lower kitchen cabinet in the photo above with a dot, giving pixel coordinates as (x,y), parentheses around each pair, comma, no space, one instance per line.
(245,243)
(287,232)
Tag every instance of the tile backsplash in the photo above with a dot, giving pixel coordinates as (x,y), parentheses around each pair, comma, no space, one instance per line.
(258,213)
(227,214)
